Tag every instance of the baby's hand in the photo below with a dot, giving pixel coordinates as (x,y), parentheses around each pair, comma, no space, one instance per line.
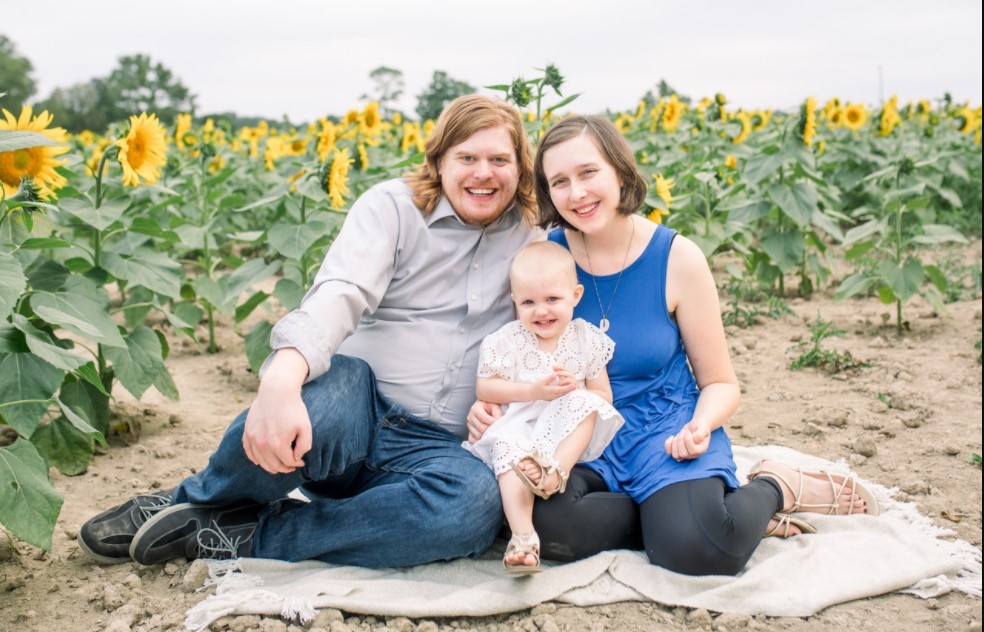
(554,385)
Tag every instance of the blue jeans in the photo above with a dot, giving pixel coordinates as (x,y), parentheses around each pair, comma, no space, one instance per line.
(387,488)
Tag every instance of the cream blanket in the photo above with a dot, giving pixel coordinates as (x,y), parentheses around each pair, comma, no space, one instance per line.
(850,558)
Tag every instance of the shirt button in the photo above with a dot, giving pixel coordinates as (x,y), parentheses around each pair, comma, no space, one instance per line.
(475,266)
(474,297)
(451,367)
(461,330)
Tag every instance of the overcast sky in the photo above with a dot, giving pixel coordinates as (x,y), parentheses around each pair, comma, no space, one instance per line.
(307,58)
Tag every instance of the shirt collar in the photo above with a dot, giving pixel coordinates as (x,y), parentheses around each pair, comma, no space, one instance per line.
(444,211)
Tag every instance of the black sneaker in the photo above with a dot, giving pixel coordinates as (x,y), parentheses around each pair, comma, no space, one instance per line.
(197,531)
(106,537)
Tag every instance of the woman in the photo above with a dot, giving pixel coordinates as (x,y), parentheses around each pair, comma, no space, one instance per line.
(668,479)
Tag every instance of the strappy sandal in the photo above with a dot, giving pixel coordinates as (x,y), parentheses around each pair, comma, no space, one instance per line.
(838,483)
(786,520)
(548,465)
(528,544)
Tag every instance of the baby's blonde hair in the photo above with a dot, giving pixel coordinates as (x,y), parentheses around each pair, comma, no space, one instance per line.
(542,258)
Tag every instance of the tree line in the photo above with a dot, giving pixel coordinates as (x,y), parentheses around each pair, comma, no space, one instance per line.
(139,84)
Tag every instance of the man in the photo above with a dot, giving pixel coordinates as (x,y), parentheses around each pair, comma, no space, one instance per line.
(385,345)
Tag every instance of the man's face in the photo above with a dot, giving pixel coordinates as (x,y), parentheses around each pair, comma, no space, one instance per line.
(480,175)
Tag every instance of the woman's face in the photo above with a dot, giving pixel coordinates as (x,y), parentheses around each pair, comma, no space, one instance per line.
(583,186)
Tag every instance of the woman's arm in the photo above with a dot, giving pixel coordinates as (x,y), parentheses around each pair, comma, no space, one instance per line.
(691,296)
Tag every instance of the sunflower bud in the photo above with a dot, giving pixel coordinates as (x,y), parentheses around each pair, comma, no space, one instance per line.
(553,78)
(520,92)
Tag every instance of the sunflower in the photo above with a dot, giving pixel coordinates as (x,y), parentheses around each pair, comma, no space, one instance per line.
(854,116)
(808,121)
(351,117)
(624,122)
(730,161)
(746,127)
(36,163)
(182,126)
(397,119)
(363,157)
(326,139)
(428,128)
(663,186)
(92,163)
(337,179)
(412,138)
(671,114)
(370,122)
(889,117)
(760,118)
(143,150)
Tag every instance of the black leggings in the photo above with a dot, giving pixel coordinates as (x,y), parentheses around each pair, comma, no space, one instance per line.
(697,527)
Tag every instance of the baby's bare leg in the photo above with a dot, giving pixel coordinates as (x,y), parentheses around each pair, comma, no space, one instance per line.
(568,452)
(517,503)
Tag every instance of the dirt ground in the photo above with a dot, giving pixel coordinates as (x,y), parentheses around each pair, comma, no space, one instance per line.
(911,420)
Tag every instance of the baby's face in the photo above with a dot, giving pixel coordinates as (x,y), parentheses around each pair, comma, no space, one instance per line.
(545,302)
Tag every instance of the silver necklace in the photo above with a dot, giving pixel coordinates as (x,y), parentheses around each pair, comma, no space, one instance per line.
(604,323)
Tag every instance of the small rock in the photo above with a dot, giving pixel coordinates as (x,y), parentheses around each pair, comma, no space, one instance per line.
(341,626)
(838,419)
(865,447)
(700,617)
(932,604)
(813,429)
(112,597)
(951,450)
(171,569)
(750,343)
(325,616)
(71,533)
(175,420)
(426,626)
(879,406)
(547,624)
(241,623)
(796,338)
(117,626)
(905,376)
(916,487)
(272,625)
(731,621)
(543,608)
(195,576)
(872,426)
(132,581)
(125,615)
(400,624)
(911,422)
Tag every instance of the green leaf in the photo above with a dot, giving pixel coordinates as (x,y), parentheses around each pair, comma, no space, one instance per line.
(935,299)
(762,165)
(41,344)
(87,400)
(293,240)
(26,384)
(261,202)
(886,295)
(938,234)
(64,446)
(12,283)
(936,277)
(904,280)
(852,285)
(12,340)
(148,268)
(785,249)
(863,231)
(99,218)
(12,140)
(153,228)
(44,243)
(257,343)
(29,505)
(858,250)
(825,223)
(246,308)
(288,293)
(49,276)
(797,201)
(188,314)
(138,365)
(79,314)
(89,373)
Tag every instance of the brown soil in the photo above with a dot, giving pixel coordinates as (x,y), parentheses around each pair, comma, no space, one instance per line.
(910,420)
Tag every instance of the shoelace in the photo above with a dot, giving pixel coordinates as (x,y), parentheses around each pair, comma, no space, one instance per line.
(160,502)
(213,544)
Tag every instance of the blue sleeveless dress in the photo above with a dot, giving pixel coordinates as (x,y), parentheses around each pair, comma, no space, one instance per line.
(652,383)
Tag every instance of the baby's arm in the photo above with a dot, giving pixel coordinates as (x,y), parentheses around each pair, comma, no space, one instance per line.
(600,385)
(498,390)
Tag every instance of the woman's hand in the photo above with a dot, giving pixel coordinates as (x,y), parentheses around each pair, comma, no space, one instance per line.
(481,415)
(691,442)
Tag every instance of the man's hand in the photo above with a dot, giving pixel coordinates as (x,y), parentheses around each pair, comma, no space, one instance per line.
(277,434)
(480,417)
(691,442)
(558,383)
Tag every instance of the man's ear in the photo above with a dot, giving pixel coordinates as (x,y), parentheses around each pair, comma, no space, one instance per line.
(578,293)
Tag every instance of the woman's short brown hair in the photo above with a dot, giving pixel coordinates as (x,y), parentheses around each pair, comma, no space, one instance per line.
(460,119)
(612,146)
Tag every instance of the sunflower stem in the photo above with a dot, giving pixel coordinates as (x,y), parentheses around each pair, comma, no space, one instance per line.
(304,255)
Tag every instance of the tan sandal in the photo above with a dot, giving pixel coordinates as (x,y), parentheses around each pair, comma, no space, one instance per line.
(786,520)
(838,483)
(527,544)
(548,465)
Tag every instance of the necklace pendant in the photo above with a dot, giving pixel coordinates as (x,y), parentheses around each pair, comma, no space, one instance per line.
(603,325)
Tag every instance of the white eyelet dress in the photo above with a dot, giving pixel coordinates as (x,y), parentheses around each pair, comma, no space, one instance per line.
(512,353)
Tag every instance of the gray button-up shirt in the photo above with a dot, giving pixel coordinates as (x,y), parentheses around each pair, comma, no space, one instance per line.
(411,295)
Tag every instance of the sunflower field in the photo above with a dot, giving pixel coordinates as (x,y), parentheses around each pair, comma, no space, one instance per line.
(115,242)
